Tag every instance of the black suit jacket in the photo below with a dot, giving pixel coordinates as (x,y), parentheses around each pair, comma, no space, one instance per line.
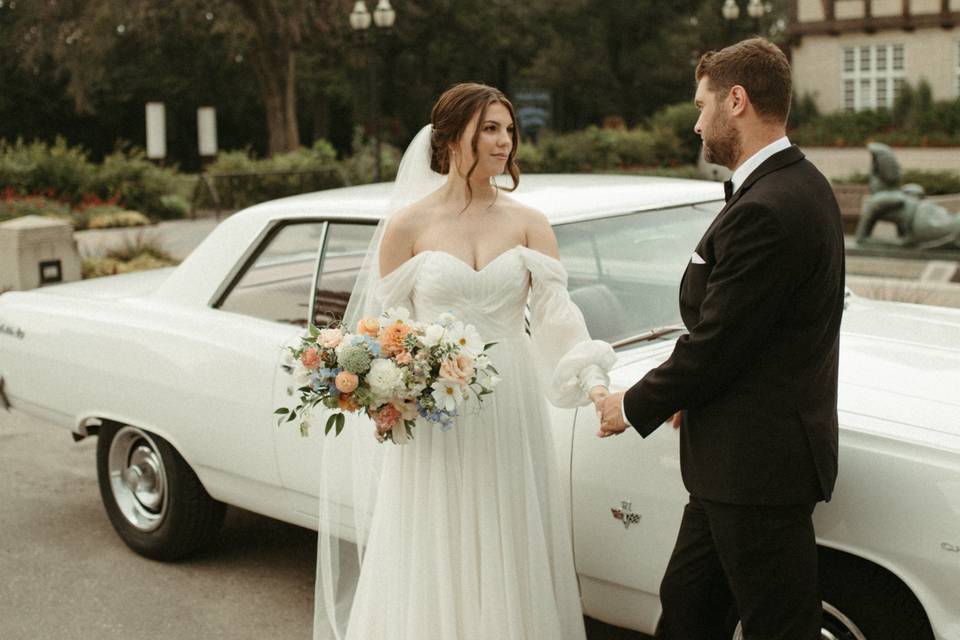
(756,376)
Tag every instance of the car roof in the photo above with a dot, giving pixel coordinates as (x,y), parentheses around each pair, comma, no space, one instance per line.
(561,197)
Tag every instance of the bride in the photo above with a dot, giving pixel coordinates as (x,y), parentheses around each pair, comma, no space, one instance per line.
(468,537)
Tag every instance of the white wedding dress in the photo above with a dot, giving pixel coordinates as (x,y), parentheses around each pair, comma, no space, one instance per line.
(470,536)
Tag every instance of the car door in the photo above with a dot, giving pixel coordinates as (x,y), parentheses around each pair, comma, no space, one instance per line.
(344,246)
(627,502)
(627,495)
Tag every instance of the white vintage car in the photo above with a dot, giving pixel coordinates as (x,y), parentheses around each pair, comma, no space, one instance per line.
(178,371)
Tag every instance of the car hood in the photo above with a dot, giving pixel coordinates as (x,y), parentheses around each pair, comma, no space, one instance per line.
(126,285)
(899,365)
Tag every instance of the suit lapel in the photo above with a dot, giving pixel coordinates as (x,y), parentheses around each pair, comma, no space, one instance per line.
(775,162)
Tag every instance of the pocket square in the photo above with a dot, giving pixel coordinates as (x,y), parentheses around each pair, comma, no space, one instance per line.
(696,259)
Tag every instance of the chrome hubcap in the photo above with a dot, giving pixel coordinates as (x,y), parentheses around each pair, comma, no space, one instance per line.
(836,626)
(138,479)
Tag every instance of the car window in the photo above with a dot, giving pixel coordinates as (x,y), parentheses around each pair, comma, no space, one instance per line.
(275,285)
(624,271)
(344,249)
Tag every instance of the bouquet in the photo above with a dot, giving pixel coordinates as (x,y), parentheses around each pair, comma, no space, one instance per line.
(392,369)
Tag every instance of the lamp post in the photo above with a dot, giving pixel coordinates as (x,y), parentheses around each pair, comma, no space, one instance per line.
(755,9)
(384,18)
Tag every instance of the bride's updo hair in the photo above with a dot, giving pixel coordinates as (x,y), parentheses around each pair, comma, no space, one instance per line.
(453,112)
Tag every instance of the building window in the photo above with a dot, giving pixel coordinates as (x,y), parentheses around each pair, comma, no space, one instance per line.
(873,76)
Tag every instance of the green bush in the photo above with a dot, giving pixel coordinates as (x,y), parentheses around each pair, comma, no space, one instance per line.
(596,149)
(678,120)
(590,149)
(529,158)
(242,180)
(56,171)
(802,110)
(358,168)
(914,120)
(139,183)
(934,183)
(65,173)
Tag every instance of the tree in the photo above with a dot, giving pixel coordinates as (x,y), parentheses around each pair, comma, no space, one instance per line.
(80,38)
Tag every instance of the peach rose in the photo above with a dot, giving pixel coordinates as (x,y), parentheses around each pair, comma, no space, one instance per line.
(346,382)
(388,417)
(404,357)
(347,402)
(457,369)
(330,338)
(391,341)
(369,327)
(310,358)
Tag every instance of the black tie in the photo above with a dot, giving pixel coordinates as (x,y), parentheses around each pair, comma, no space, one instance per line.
(727,190)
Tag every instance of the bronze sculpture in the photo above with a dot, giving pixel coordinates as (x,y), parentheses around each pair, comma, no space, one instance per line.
(920,224)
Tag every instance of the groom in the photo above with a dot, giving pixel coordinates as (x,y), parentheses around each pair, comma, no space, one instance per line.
(755,379)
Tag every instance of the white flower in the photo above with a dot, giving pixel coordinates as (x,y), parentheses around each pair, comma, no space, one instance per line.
(394,314)
(483,361)
(446,319)
(446,394)
(465,337)
(385,378)
(432,336)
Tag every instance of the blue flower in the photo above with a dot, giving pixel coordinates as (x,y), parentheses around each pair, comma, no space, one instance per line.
(326,372)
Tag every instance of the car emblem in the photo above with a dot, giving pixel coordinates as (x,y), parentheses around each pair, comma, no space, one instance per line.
(625,514)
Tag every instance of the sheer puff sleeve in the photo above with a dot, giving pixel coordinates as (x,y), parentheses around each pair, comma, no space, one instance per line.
(572,363)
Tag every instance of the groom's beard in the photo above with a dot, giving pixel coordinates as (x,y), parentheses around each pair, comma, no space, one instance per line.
(724,147)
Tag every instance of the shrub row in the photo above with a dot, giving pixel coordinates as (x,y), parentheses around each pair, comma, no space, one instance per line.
(914,121)
(934,183)
(65,174)
(667,140)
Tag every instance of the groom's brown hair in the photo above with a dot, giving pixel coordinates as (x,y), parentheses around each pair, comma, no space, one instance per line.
(757,65)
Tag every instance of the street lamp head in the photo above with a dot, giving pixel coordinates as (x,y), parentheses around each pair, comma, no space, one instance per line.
(756,9)
(384,16)
(360,17)
(731,11)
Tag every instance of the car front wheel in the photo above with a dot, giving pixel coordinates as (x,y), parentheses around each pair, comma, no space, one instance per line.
(863,601)
(153,498)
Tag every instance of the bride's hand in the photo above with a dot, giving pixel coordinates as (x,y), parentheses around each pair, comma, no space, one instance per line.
(597,394)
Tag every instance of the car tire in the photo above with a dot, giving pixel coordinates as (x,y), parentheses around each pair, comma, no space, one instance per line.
(153,498)
(863,601)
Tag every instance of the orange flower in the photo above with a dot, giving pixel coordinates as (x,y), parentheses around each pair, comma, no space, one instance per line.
(368,326)
(404,357)
(347,402)
(391,341)
(346,382)
(310,358)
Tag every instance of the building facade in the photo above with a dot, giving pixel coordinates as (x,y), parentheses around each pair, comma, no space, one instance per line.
(857,54)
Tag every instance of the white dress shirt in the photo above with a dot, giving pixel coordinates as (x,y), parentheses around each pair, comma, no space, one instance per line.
(739,177)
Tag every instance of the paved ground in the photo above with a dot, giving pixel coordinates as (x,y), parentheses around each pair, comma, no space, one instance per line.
(64,573)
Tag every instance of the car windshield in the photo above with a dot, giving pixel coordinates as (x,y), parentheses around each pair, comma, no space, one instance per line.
(625,270)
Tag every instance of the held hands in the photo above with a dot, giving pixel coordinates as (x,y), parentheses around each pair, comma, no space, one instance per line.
(597,394)
(611,415)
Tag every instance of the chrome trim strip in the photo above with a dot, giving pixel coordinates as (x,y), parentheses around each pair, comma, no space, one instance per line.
(322,249)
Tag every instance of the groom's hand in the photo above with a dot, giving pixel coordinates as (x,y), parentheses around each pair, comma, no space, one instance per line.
(611,415)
